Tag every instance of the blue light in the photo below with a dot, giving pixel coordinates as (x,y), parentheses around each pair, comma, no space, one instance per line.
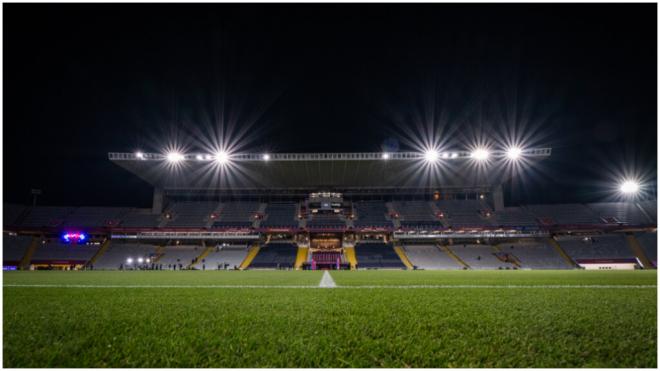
(82,237)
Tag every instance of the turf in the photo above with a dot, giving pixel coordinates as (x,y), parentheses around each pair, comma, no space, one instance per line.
(289,327)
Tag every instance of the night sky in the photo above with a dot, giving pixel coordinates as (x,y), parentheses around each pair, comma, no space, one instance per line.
(84,80)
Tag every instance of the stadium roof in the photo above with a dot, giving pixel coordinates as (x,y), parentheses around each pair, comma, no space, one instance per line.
(198,171)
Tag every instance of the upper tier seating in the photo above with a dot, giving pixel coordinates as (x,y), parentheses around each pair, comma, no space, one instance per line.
(280,215)
(565,214)
(232,255)
(462,213)
(14,247)
(430,257)
(190,213)
(536,255)
(326,221)
(11,213)
(597,247)
(371,214)
(513,217)
(651,208)
(649,243)
(623,212)
(46,216)
(179,255)
(140,218)
(416,214)
(275,255)
(479,256)
(377,255)
(237,215)
(57,251)
(117,253)
(95,216)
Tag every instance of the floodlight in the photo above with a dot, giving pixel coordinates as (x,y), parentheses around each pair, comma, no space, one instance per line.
(199,157)
(480,154)
(445,155)
(129,260)
(139,155)
(513,153)
(266,157)
(222,157)
(385,156)
(208,157)
(140,260)
(454,155)
(629,187)
(431,155)
(174,157)
(148,260)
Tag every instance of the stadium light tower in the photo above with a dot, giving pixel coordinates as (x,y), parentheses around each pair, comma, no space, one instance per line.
(629,187)
(513,153)
(431,155)
(480,154)
(174,157)
(222,157)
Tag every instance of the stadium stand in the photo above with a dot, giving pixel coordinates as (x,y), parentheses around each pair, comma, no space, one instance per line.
(430,257)
(564,214)
(46,216)
(52,251)
(370,214)
(11,213)
(280,215)
(479,257)
(275,255)
(620,212)
(190,213)
(95,216)
(327,257)
(513,217)
(117,254)
(326,221)
(377,255)
(176,257)
(14,247)
(237,215)
(229,256)
(597,247)
(462,213)
(535,255)
(140,218)
(416,214)
(651,208)
(649,243)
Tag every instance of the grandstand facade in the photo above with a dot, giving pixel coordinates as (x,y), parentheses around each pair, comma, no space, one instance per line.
(329,211)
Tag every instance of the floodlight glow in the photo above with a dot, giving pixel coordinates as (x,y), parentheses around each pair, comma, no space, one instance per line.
(454,155)
(208,157)
(199,157)
(129,260)
(480,154)
(139,155)
(148,260)
(445,155)
(431,155)
(74,237)
(629,187)
(174,157)
(513,153)
(222,157)
(140,260)
(266,157)
(385,156)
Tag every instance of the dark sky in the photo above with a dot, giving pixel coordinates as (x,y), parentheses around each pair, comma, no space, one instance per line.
(84,80)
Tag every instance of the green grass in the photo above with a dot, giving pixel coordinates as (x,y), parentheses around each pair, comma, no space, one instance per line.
(287,327)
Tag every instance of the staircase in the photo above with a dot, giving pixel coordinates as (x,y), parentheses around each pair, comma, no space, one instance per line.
(203,255)
(453,256)
(349,253)
(638,251)
(27,257)
(514,259)
(252,253)
(561,252)
(301,257)
(404,258)
(104,247)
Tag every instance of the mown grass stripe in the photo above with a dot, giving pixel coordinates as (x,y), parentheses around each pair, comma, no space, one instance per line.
(342,287)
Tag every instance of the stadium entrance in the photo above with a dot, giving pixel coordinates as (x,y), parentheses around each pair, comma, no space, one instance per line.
(326,252)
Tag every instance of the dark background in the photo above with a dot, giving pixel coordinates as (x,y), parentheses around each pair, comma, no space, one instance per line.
(84,80)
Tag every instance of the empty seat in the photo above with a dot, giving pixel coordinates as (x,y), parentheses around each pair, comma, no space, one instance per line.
(430,257)
(377,255)
(275,255)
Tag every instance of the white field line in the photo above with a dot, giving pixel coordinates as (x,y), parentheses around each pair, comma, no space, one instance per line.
(81,286)
(327,281)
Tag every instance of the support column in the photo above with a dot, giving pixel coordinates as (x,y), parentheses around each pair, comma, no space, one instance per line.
(157,206)
(498,198)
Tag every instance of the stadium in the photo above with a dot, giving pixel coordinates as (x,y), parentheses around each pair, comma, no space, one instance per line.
(329,186)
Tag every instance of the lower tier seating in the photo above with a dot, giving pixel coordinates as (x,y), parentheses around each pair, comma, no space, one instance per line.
(275,255)
(430,257)
(377,255)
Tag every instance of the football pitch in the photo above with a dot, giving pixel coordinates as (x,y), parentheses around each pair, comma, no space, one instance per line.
(357,319)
